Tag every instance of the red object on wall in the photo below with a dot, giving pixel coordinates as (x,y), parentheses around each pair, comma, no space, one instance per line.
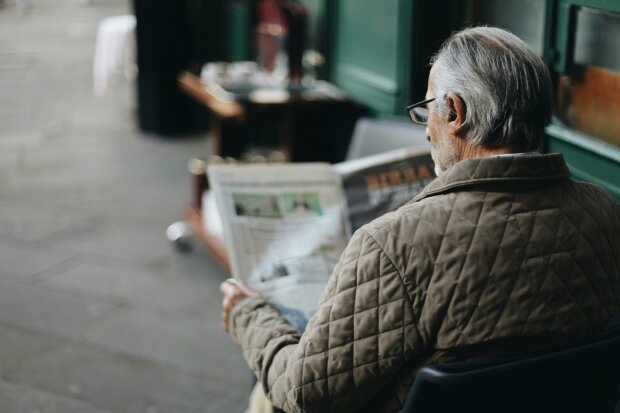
(272,32)
(281,29)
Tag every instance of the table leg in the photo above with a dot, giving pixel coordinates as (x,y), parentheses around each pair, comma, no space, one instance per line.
(229,135)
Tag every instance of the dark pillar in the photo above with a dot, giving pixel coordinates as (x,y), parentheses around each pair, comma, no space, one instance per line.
(167,37)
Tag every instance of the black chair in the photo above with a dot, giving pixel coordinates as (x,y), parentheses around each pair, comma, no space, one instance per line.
(584,377)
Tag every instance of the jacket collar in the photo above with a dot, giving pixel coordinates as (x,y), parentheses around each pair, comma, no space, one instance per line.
(504,169)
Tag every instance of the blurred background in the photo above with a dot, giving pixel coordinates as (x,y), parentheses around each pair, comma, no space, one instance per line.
(109,112)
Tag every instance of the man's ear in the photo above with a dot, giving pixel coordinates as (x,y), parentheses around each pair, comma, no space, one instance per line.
(458,110)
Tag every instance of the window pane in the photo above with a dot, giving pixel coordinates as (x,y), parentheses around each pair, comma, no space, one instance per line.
(596,39)
(525,18)
(589,96)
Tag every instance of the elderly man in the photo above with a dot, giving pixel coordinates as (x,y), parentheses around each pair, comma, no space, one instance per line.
(502,253)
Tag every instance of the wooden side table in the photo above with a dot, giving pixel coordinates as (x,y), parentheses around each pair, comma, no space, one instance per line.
(308,117)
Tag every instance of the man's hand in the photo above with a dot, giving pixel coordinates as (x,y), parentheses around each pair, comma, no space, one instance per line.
(233,292)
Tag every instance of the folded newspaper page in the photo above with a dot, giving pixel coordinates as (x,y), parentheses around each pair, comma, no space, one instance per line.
(375,185)
(286,225)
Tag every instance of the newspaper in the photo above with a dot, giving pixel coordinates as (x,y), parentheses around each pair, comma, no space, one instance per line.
(375,185)
(286,225)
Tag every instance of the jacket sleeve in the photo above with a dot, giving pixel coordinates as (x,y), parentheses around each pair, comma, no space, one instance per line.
(362,334)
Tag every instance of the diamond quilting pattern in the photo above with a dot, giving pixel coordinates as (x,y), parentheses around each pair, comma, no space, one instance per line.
(461,266)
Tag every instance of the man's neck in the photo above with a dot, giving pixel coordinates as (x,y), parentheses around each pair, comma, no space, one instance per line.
(477,151)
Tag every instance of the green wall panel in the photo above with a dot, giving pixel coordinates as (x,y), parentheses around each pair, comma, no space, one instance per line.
(371,51)
(238,22)
(314,7)
(588,159)
(370,41)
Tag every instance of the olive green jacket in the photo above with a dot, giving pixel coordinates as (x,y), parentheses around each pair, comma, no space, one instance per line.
(498,255)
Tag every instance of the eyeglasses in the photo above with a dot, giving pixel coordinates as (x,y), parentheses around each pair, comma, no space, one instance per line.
(418,112)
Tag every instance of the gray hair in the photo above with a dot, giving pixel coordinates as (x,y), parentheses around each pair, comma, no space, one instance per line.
(506,87)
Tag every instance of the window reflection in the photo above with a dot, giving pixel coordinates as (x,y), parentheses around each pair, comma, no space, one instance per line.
(524,18)
(596,39)
(587,97)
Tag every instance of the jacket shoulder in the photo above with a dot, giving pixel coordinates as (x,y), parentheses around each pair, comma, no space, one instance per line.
(593,191)
(424,215)
(594,200)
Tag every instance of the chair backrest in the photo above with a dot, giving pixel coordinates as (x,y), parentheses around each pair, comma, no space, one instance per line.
(581,378)
(376,135)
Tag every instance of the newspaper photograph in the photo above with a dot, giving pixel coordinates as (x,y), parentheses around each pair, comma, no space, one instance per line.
(284,228)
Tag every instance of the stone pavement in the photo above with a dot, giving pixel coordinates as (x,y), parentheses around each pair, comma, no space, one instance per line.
(97,312)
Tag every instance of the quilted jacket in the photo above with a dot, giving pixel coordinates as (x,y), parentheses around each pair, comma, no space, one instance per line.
(498,255)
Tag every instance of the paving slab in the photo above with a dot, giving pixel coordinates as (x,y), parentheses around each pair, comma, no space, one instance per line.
(41,309)
(135,284)
(31,223)
(121,239)
(190,343)
(119,382)
(19,262)
(15,398)
(19,345)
